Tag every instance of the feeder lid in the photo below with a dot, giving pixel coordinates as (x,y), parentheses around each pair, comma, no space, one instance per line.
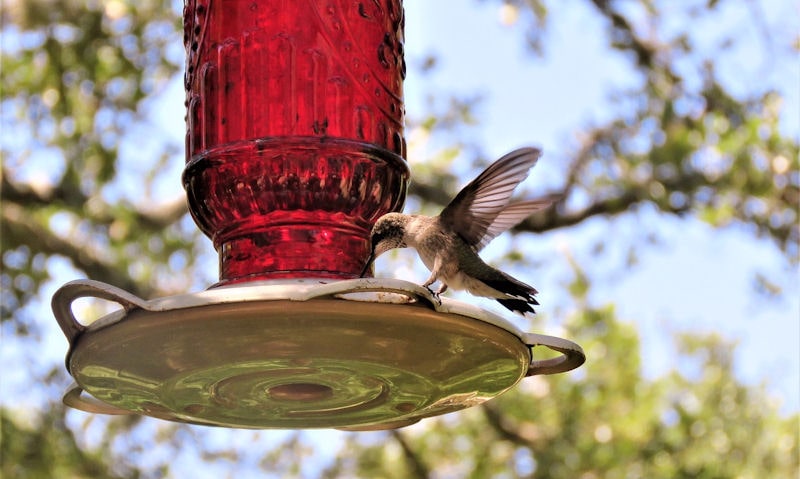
(360,354)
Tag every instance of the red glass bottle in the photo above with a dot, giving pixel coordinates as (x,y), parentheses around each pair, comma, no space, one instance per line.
(294,131)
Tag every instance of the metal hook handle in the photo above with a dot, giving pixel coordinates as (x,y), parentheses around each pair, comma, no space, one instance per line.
(75,398)
(571,357)
(87,288)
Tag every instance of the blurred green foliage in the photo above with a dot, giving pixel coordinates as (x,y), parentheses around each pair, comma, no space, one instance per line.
(608,421)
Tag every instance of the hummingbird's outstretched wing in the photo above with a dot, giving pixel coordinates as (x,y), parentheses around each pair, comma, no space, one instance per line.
(512,215)
(477,212)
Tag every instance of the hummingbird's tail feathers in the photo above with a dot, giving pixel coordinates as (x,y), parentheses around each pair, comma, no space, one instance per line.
(522,295)
(520,306)
(509,285)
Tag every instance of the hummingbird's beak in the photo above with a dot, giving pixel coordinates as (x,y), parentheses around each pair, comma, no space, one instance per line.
(367,265)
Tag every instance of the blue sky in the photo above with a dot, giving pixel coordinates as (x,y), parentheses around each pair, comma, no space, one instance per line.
(697,279)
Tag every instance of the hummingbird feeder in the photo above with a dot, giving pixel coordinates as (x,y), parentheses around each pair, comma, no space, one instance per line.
(294,148)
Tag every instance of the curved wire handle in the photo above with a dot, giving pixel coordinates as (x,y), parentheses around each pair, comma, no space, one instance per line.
(75,398)
(571,357)
(87,288)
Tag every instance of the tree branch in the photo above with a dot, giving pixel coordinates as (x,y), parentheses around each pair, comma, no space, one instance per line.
(623,34)
(18,225)
(27,194)
(415,463)
(550,219)
(503,428)
(151,219)
(429,192)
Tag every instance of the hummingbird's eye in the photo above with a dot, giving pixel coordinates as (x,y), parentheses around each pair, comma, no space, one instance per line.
(379,237)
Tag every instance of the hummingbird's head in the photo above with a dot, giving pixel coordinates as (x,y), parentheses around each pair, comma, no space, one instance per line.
(387,234)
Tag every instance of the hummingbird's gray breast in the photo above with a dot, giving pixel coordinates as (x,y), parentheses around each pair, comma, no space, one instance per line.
(441,249)
(425,234)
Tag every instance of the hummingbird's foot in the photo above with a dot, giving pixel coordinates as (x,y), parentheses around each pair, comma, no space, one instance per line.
(438,293)
(435,294)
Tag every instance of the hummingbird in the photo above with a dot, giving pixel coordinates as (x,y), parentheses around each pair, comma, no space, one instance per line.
(448,244)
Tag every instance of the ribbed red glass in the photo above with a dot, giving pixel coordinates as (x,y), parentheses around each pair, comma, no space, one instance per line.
(294,136)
